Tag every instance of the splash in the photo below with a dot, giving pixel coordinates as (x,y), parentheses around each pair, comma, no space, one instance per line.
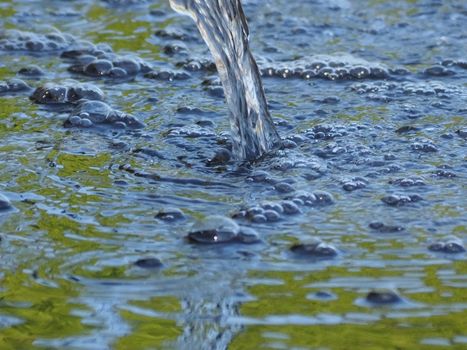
(223,26)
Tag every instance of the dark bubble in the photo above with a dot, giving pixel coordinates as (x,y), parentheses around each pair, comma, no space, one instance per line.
(383,228)
(327,73)
(173,35)
(359,72)
(322,295)
(117,72)
(462,133)
(222,156)
(259,218)
(438,71)
(98,112)
(50,94)
(98,68)
(67,92)
(131,66)
(424,147)
(261,176)
(148,263)
(271,215)
(400,200)
(323,198)
(408,181)
(308,74)
(173,49)
(31,71)
(214,230)
(283,187)
(252,211)
(383,297)
(4,202)
(444,174)
(34,45)
(290,207)
(449,245)
(314,249)
(248,235)
(86,91)
(170,214)
(378,73)
(355,184)
(406,128)
(273,206)
(17,85)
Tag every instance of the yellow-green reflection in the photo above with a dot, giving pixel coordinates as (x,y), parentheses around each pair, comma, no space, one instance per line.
(151,332)
(91,170)
(289,297)
(124,32)
(46,312)
(382,335)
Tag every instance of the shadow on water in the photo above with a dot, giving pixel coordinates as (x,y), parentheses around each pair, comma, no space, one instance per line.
(355,227)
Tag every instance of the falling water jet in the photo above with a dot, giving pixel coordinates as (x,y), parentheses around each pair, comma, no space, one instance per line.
(223,26)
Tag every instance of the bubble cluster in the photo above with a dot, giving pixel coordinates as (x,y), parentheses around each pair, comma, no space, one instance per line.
(98,63)
(13,85)
(425,147)
(383,90)
(17,40)
(219,230)
(355,183)
(197,65)
(32,70)
(275,210)
(69,91)
(338,67)
(89,113)
(342,67)
(408,181)
(449,245)
(401,200)
(167,75)
(454,63)
(314,248)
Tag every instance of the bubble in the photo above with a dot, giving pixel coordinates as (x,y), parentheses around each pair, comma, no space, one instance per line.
(438,71)
(31,71)
(148,263)
(400,200)
(383,228)
(283,187)
(449,245)
(98,68)
(214,230)
(290,208)
(4,202)
(314,249)
(383,297)
(271,215)
(129,65)
(117,72)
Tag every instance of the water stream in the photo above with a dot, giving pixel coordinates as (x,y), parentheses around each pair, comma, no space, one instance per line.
(223,27)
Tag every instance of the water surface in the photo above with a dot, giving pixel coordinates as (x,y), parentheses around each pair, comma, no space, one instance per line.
(370,98)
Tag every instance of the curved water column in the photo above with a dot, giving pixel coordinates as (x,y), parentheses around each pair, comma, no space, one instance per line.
(223,27)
